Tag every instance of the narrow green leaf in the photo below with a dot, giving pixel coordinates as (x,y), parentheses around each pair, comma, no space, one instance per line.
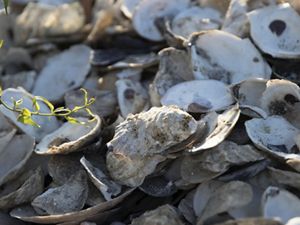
(85,96)
(35,104)
(72,120)
(25,118)
(49,104)
(1,43)
(76,109)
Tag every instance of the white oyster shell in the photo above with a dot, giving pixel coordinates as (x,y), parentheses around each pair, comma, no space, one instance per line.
(48,124)
(132,97)
(199,96)
(39,20)
(14,156)
(221,56)
(141,139)
(69,137)
(63,72)
(275,203)
(195,19)
(148,11)
(267,134)
(276,30)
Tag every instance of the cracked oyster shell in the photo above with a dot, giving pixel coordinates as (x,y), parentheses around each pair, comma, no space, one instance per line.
(275,203)
(69,137)
(267,134)
(221,56)
(48,124)
(195,19)
(163,215)
(38,20)
(63,72)
(275,30)
(14,156)
(140,141)
(148,11)
(69,197)
(199,96)
(132,97)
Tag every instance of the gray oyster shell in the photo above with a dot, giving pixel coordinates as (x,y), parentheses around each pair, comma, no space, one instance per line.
(140,141)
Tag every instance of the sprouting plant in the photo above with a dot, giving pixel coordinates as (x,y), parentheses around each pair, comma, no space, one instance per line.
(25,114)
(5,2)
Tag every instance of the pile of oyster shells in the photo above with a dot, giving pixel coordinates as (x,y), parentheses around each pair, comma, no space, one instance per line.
(197,104)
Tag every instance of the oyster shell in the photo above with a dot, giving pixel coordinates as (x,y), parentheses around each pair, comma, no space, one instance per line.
(148,11)
(140,141)
(38,20)
(27,213)
(252,221)
(199,96)
(163,215)
(14,156)
(7,132)
(100,180)
(69,197)
(69,137)
(220,126)
(22,79)
(275,201)
(215,161)
(48,124)
(132,97)
(267,135)
(128,7)
(174,67)
(220,56)
(63,72)
(280,28)
(33,186)
(195,19)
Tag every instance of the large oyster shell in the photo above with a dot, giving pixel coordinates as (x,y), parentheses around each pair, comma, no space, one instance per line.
(275,30)
(220,55)
(140,141)
(69,137)
(63,72)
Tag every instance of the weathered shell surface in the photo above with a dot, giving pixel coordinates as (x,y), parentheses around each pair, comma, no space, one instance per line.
(275,202)
(48,124)
(43,20)
(132,97)
(69,197)
(275,30)
(32,187)
(140,140)
(69,137)
(199,96)
(14,156)
(267,134)
(196,19)
(220,55)
(163,215)
(63,72)
(149,10)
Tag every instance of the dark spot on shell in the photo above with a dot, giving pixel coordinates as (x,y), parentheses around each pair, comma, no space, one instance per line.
(255,59)
(71,83)
(277,27)
(291,99)
(277,108)
(129,93)
(197,108)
